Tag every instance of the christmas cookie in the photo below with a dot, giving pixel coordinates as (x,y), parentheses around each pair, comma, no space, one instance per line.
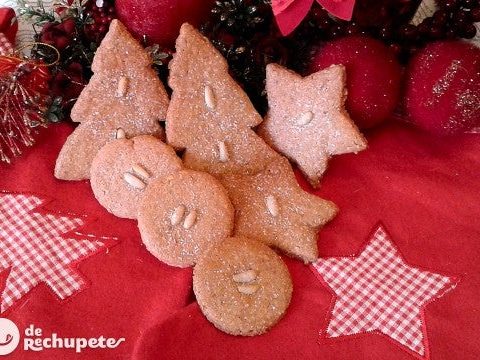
(124,92)
(307,121)
(182,215)
(210,116)
(242,286)
(271,207)
(122,169)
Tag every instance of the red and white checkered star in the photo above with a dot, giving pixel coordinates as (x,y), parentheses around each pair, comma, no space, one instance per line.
(39,246)
(378,291)
(6,47)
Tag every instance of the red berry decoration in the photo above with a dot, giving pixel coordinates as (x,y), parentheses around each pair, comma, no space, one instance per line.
(443,88)
(373,76)
(374,13)
(160,20)
(100,14)
(58,35)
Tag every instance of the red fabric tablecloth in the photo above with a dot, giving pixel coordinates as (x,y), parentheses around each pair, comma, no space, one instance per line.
(424,190)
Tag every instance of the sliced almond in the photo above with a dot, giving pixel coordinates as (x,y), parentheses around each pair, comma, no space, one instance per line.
(120,134)
(122,86)
(210,100)
(248,289)
(178,214)
(134,181)
(140,171)
(305,118)
(190,219)
(272,205)
(222,151)
(245,276)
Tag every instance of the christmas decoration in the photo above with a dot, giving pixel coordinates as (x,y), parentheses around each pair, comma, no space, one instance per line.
(40,247)
(6,47)
(455,16)
(98,14)
(289,13)
(24,101)
(378,291)
(159,20)
(75,28)
(8,24)
(442,93)
(396,22)
(246,32)
(373,76)
(374,14)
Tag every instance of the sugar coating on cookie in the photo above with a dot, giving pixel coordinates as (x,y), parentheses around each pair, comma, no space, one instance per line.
(184,214)
(307,121)
(123,168)
(271,207)
(210,116)
(124,92)
(242,286)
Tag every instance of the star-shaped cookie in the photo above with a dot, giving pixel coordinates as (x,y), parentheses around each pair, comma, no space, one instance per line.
(271,207)
(307,120)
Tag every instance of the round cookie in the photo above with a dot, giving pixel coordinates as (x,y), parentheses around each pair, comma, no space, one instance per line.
(242,286)
(183,215)
(122,168)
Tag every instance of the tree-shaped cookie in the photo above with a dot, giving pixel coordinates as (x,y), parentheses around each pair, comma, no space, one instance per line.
(307,120)
(210,116)
(124,93)
(271,207)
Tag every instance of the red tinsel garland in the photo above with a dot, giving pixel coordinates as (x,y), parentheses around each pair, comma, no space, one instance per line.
(23,103)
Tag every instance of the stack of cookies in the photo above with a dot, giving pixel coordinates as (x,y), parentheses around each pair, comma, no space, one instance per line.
(231,197)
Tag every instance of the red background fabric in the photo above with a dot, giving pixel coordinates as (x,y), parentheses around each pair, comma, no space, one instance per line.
(424,190)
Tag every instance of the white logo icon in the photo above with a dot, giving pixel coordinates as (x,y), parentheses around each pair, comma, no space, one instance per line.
(9,336)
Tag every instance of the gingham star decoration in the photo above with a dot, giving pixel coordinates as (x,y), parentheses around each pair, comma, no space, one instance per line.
(378,291)
(5,47)
(37,246)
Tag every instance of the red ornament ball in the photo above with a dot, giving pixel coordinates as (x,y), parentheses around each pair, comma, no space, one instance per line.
(373,76)
(160,20)
(442,94)
(8,23)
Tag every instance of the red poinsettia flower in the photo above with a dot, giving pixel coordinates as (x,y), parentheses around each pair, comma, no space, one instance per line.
(290,13)
(58,35)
